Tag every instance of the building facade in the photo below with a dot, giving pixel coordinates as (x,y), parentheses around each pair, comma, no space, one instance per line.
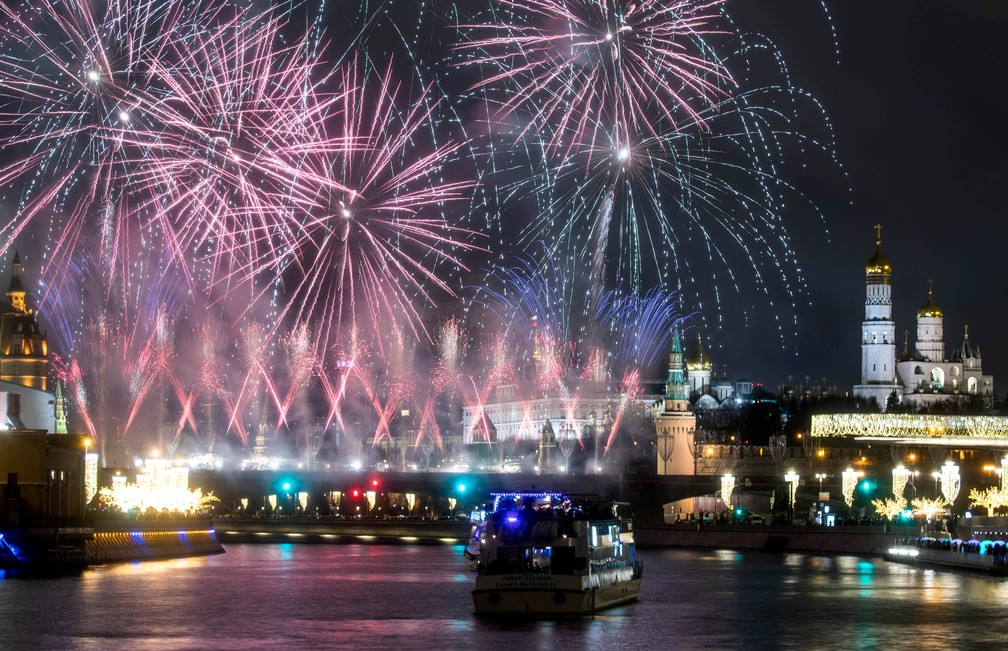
(25,402)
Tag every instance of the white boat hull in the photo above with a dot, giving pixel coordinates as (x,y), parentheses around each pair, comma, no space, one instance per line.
(547,595)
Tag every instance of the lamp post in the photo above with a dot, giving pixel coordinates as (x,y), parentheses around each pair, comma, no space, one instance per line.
(820,476)
(792,479)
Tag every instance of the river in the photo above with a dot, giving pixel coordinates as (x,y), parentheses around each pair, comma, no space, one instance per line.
(417,597)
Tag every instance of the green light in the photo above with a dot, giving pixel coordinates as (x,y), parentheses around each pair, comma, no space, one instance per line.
(461,488)
(286,486)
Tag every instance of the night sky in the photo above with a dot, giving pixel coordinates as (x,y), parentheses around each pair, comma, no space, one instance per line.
(917,102)
(915,92)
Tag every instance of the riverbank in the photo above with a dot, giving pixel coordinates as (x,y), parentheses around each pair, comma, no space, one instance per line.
(333,531)
(859,540)
(126,541)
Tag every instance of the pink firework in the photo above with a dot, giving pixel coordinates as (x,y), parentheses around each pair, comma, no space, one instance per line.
(181,126)
(378,242)
(241,110)
(71,74)
(572,69)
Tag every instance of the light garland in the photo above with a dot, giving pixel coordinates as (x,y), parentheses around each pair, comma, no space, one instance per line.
(900,476)
(950,481)
(909,425)
(727,486)
(161,487)
(850,480)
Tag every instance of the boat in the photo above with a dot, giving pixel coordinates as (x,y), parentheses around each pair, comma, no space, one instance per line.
(554,554)
(477,535)
(474,546)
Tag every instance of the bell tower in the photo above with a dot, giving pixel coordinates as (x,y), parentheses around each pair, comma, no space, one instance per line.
(878,330)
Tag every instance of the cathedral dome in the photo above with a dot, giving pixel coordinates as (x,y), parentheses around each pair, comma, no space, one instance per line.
(929,309)
(699,360)
(878,263)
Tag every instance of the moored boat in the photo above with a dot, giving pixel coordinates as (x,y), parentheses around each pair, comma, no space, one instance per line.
(549,554)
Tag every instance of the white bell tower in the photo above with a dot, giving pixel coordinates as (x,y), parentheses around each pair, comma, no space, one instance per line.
(878,330)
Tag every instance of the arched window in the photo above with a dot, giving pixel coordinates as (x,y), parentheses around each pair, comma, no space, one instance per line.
(937,378)
(971,385)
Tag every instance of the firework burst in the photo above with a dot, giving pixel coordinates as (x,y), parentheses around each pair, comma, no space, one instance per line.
(572,66)
(377,234)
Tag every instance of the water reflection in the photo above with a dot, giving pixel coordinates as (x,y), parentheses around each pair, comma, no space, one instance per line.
(380,597)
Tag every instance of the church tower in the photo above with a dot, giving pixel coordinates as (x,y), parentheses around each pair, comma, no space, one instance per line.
(878,331)
(676,393)
(699,368)
(930,335)
(60,407)
(24,350)
(676,424)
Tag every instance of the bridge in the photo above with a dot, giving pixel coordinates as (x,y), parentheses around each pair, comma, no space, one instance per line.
(645,493)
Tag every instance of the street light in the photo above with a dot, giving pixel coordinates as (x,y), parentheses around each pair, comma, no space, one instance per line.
(820,476)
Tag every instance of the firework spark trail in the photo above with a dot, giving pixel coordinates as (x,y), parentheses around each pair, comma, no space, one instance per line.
(566,64)
(646,165)
(641,325)
(336,391)
(630,388)
(644,199)
(71,72)
(257,375)
(190,123)
(428,425)
(397,391)
(153,365)
(376,233)
(243,113)
(302,361)
(69,372)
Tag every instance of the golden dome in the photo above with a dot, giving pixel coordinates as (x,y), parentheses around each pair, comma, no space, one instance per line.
(699,360)
(878,263)
(929,309)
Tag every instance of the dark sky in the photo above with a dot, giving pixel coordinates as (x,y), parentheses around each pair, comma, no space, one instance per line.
(917,101)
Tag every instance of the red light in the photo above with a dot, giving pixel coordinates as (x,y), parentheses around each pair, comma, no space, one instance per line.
(355,493)
(374,483)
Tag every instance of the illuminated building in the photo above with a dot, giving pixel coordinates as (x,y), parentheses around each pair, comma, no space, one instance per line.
(676,423)
(24,350)
(25,404)
(922,375)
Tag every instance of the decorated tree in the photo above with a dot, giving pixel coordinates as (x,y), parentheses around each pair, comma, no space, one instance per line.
(889,508)
(989,498)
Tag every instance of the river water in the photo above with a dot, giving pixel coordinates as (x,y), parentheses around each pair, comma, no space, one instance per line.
(417,597)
